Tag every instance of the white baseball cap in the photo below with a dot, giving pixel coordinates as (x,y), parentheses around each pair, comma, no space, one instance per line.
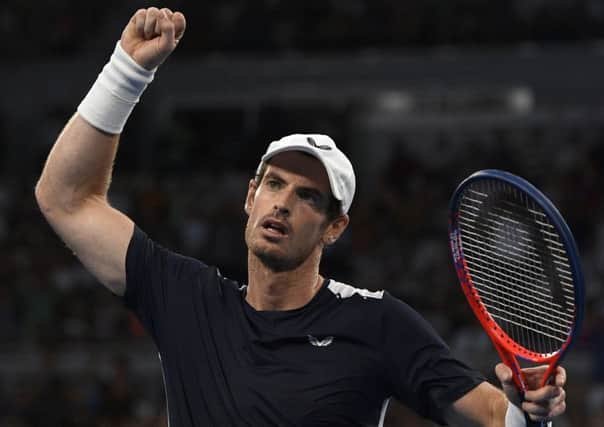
(339,169)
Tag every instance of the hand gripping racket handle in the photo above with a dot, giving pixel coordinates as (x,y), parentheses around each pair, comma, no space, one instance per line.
(510,361)
(549,374)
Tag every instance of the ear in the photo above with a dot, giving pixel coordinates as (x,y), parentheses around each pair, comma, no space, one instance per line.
(251,195)
(334,229)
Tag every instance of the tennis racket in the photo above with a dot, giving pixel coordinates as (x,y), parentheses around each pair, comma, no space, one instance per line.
(519,268)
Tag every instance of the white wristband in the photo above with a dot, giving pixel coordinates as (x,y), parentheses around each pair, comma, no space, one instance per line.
(115,92)
(515,417)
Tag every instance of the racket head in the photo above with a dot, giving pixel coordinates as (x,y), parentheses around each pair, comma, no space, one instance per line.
(501,333)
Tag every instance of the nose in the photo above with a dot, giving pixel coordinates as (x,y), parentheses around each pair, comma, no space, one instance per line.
(281,210)
(282,204)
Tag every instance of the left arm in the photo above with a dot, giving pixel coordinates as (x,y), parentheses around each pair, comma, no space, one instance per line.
(486,406)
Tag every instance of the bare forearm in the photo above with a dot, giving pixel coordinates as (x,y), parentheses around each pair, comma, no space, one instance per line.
(484,406)
(72,190)
(78,167)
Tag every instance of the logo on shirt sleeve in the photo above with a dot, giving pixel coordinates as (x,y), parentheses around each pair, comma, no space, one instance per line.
(320,342)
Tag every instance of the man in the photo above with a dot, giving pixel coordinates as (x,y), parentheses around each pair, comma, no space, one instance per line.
(291,347)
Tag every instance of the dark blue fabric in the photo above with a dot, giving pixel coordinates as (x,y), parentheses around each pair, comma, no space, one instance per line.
(226,364)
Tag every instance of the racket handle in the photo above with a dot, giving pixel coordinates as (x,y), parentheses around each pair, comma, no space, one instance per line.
(531,423)
(511,362)
(549,374)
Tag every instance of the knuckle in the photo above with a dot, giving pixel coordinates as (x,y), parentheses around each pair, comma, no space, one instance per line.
(561,378)
(561,394)
(561,400)
(557,410)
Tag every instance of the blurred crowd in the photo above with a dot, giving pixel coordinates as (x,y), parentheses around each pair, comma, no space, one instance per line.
(71,355)
(63,28)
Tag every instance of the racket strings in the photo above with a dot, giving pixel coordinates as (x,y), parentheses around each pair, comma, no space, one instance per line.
(518,265)
(474,245)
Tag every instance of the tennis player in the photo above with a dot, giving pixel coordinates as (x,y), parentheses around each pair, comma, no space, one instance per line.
(290,348)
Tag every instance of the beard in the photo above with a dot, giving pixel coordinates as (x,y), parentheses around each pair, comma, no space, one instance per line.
(286,256)
(275,261)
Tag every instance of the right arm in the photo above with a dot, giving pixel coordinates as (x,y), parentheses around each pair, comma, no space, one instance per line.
(72,190)
(72,195)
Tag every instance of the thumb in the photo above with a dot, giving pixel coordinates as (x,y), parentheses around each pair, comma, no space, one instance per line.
(504,374)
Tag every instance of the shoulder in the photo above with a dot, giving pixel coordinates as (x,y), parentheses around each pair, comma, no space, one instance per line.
(226,286)
(379,307)
(380,299)
(150,262)
(344,291)
(368,306)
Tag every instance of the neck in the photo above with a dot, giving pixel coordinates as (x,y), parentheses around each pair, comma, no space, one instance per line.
(284,290)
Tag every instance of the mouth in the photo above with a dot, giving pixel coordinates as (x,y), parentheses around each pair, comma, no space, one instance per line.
(275,227)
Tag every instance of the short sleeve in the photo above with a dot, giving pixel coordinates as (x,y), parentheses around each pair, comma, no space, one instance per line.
(155,278)
(424,374)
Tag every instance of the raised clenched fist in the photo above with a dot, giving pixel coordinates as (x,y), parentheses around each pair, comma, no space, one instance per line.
(152,34)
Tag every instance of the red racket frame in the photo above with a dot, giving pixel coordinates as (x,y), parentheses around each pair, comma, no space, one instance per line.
(508,349)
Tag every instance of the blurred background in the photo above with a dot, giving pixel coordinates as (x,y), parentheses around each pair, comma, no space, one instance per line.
(419,93)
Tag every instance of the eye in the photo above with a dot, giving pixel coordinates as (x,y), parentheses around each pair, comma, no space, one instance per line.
(273,184)
(310,196)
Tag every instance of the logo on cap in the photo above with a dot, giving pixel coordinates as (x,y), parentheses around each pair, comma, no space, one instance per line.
(312,142)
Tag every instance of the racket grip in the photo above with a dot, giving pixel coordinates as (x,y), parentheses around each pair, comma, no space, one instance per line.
(549,374)
(531,423)
(511,362)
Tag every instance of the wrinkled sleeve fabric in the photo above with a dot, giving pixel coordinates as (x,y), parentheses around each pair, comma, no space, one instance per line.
(424,375)
(155,276)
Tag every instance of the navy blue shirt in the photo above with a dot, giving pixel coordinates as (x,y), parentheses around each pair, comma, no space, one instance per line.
(334,362)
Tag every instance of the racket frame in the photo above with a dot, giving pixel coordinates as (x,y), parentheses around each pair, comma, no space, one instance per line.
(508,349)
